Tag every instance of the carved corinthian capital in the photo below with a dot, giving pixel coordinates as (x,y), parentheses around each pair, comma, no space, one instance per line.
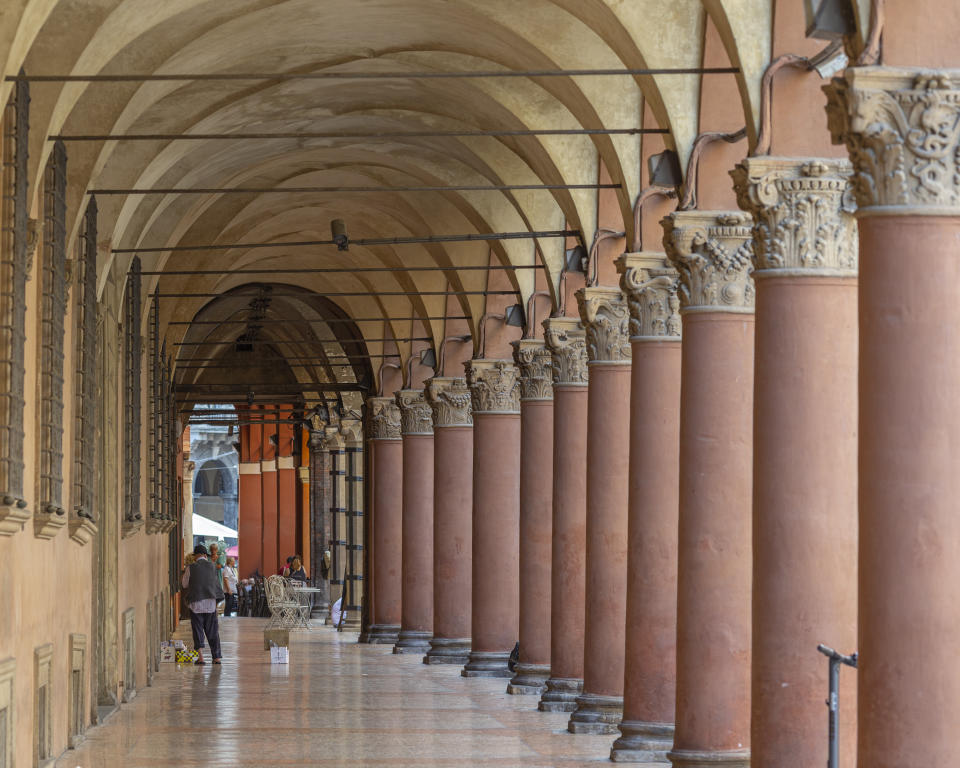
(494,386)
(713,252)
(803,214)
(535,364)
(416,417)
(449,397)
(567,342)
(902,132)
(384,418)
(604,314)
(649,284)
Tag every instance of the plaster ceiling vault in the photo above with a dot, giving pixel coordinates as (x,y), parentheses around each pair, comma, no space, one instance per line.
(91,37)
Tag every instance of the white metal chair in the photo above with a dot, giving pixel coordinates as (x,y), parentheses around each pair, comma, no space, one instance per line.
(284,607)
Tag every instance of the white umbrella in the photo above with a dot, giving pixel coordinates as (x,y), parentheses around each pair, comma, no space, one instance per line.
(204,526)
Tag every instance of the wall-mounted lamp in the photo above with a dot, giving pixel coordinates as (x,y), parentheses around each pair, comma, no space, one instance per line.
(576,260)
(272,439)
(428,358)
(829,19)
(513,315)
(338,230)
(664,169)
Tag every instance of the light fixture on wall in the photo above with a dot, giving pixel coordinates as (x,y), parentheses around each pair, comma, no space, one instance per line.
(513,315)
(576,260)
(829,19)
(664,168)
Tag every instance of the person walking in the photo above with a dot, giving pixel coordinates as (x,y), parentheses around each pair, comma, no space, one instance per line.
(203,593)
(229,574)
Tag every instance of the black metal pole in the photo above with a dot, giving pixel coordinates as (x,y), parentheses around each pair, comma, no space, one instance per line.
(834,660)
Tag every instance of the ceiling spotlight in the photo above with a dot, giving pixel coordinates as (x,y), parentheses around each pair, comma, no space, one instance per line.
(339,232)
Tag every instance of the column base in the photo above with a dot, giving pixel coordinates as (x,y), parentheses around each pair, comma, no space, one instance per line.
(561,694)
(320,611)
(695,758)
(448,650)
(529,680)
(412,641)
(381,634)
(642,742)
(487,664)
(596,714)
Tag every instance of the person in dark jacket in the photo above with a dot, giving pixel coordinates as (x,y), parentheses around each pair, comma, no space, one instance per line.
(203,593)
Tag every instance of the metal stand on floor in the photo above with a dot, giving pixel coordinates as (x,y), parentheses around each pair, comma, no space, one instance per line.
(833,700)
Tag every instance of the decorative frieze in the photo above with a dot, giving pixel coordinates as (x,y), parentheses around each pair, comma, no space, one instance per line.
(567,342)
(535,363)
(713,252)
(605,318)
(802,210)
(416,417)
(494,386)
(902,131)
(449,398)
(649,285)
(384,418)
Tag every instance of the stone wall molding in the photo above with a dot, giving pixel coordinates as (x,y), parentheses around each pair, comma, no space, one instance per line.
(450,401)
(802,210)
(606,319)
(536,369)
(713,252)
(901,127)
(567,341)
(384,421)
(494,386)
(650,283)
(416,417)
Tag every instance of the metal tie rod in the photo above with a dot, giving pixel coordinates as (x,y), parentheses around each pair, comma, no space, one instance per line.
(303,320)
(467,238)
(419,75)
(302,190)
(336,271)
(296,341)
(344,293)
(452,134)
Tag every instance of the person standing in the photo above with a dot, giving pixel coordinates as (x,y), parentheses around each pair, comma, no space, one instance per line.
(219,559)
(203,593)
(229,574)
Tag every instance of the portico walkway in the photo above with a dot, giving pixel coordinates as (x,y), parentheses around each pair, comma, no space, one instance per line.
(337,704)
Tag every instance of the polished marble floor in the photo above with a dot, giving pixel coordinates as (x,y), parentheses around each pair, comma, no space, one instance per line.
(338,703)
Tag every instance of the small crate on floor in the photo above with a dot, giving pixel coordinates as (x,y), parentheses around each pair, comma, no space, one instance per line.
(187,656)
(279,654)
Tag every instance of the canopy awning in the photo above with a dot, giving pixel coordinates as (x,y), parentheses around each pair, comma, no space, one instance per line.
(204,526)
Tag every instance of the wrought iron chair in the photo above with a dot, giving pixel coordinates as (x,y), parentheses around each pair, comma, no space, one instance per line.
(284,607)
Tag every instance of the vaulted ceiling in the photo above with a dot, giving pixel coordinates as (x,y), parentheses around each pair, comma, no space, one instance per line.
(364,37)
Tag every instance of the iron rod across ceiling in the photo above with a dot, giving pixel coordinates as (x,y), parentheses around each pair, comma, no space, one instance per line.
(330,321)
(274,359)
(433,134)
(301,190)
(343,293)
(272,387)
(339,75)
(268,342)
(337,270)
(466,238)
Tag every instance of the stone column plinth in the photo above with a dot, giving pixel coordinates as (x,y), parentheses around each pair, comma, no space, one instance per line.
(449,399)
(649,686)
(900,127)
(495,392)
(386,463)
(536,511)
(805,450)
(712,252)
(416,428)
(606,320)
(566,340)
